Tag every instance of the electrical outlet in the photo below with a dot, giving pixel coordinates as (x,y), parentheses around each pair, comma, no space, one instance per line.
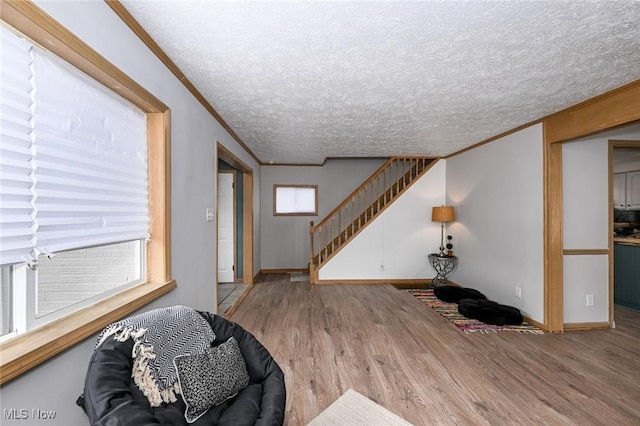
(589,299)
(518,292)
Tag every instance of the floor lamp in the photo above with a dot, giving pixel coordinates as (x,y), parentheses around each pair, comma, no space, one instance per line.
(442,214)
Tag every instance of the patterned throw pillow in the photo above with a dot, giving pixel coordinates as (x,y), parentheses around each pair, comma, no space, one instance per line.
(210,378)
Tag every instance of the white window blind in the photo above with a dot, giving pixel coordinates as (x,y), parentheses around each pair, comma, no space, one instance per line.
(16,221)
(87,161)
(295,200)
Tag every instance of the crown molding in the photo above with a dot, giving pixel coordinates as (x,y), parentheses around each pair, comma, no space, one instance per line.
(144,36)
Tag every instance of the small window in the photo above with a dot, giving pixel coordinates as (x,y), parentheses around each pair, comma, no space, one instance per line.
(295,200)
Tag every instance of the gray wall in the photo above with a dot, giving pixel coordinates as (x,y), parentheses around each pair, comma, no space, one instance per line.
(56,384)
(285,239)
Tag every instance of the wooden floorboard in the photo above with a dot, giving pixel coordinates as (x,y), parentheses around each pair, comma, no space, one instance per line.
(387,345)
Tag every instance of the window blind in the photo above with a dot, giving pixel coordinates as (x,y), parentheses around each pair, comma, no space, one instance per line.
(87,160)
(17,235)
(295,200)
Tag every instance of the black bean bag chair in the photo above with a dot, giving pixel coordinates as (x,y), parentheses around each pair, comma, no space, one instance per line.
(490,312)
(112,398)
(453,294)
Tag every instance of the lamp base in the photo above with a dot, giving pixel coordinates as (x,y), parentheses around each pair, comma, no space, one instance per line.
(441,240)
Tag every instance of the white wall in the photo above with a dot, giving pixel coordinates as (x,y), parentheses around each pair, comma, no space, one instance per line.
(285,239)
(497,190)
(585,175)
(585,191)
(56,384)
(396,244)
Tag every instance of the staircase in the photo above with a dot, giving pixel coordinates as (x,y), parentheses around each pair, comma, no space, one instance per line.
(361,207)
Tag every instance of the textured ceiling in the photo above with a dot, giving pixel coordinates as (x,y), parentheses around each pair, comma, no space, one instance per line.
(302,81)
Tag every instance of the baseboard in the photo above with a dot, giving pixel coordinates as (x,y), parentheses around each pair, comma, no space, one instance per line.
(282,270)
(411,281)
(536,324)
(404,285)
(398,282)
(574,326)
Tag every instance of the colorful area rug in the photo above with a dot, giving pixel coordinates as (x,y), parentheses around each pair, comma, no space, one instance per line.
(450,312)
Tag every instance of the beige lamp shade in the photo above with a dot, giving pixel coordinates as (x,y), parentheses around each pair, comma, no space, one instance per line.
(443,214)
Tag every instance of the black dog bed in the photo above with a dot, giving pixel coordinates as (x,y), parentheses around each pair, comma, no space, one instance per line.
(453,294)
(490,312)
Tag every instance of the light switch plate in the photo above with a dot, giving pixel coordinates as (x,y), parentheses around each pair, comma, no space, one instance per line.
(211,215)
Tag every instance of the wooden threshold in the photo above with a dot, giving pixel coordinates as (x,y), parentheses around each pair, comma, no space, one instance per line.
(236,305)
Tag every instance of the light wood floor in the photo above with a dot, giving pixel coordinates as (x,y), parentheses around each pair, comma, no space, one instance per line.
(385,344)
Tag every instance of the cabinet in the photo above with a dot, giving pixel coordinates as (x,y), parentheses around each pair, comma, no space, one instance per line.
(626,191)
(626,259)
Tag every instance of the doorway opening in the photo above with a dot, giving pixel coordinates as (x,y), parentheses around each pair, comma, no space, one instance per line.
(234,248)
(625,199)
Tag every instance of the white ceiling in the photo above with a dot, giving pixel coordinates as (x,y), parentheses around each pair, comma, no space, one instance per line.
(302,81)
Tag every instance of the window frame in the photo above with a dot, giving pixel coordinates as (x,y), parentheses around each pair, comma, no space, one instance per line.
(25,351)
(275,191)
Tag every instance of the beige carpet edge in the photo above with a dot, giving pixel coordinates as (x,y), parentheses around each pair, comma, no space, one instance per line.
(354,409)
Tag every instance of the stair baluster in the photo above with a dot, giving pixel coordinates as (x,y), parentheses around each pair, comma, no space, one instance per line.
(361,207)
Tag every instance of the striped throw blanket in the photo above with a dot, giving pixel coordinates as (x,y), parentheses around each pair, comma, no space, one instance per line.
(159,336)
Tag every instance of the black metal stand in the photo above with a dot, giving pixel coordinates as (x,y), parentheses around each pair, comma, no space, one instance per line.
(443,265)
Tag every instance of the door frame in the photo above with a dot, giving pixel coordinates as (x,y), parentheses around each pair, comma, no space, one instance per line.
(616,108)
(222,153)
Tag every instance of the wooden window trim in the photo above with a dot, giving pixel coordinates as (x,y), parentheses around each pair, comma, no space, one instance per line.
(25,351)
(276,186)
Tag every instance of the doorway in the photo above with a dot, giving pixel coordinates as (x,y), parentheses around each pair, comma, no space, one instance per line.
(624,159)
(234,251)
